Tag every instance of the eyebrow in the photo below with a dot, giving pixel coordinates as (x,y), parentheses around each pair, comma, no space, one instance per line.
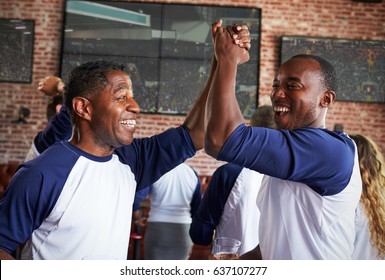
(295,79)
(290,79)
(120,87)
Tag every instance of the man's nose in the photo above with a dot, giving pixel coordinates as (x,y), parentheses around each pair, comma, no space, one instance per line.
(133,106)
(277,93)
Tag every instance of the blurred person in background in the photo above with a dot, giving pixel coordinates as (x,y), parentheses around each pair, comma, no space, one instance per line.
(370,214)
(229,207)
(174,198)
(51,86)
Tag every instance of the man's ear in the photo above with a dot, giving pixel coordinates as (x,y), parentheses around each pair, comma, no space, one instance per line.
(328,98)
(82,107)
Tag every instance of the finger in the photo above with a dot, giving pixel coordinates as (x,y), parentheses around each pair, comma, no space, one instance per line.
(243,36)
(243,42)
(240,27)
(238,30)
(243,31)
(246,45)
(230,31)
(215,26)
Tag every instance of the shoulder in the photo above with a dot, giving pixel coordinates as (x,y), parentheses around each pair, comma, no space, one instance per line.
(224,178)
(228,169)
(42,178)
(327,146)
(61,154)
(56,160)
(320,135)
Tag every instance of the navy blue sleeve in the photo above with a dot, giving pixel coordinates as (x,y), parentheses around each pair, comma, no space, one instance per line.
(209,212)
(319,158)
(58,128)
(197,196)
(151,157)
(30,197)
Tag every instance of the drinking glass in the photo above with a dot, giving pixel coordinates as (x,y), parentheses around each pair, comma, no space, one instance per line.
(225,248)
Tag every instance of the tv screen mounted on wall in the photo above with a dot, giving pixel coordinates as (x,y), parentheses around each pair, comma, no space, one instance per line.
(16,50)
(166,48)
(360,64)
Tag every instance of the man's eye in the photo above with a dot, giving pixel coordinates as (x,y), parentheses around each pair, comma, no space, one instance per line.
(122,98)
(292,86)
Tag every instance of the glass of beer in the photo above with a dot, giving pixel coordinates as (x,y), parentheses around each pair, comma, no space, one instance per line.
(225,248)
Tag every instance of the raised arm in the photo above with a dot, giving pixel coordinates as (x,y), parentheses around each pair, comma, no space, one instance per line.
(223,114)
(51,86)
(58,128)
(194,121)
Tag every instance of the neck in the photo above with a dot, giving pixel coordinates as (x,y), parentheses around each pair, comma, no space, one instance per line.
(88,143)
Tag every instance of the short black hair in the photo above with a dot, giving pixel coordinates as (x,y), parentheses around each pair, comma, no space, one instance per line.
(327,69)
(88,80)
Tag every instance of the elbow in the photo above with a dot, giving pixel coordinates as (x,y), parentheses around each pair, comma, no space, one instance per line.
(200,239)
(216,137)
(211,147)
(198,144)
(200,234)
(197,137)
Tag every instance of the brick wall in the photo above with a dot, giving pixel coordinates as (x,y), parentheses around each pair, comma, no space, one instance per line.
(321,18)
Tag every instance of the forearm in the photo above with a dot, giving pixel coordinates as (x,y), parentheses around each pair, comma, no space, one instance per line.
(223,114)
(194,121)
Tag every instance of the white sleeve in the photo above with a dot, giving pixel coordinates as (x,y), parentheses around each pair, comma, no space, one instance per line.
(32,153)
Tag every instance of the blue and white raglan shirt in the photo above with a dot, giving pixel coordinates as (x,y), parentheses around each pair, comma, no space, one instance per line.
(175,196)
(310,194)
(59,128)
(68,204)
(229,208)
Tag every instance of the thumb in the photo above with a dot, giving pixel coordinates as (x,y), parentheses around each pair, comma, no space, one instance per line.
(214,28)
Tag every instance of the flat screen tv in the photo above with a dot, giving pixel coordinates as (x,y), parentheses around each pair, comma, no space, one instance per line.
(166,48)
(359,64)
(16,50)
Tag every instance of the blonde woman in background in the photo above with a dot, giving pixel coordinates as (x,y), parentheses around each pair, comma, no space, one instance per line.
(370,214)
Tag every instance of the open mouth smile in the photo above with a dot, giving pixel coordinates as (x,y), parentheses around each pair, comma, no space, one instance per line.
(129,123)
(279,110)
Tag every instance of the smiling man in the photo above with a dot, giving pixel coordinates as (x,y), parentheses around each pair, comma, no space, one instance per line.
(74,201)
(312,181)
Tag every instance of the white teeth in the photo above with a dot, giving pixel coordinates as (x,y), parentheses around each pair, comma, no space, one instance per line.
(281,109)
(128,122)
